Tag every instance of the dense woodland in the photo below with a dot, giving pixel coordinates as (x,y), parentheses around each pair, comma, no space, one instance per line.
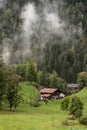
(62,59)
(66,57)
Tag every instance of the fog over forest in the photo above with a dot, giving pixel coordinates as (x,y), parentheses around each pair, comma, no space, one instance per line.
(52,33)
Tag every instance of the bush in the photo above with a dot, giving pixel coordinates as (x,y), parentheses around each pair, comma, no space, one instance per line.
(83,120)
(34,100)
(75,106)
(65,103)
(35,104)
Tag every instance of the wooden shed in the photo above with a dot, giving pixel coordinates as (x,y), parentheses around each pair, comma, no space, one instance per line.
(72,86)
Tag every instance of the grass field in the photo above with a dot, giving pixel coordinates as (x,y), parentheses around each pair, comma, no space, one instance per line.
(44,117)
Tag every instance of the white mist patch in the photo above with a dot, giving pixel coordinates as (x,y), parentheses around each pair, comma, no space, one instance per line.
(6,50)
(29,18)
(6,55)
(51,16)
(39,24)
(53,21)
(2,3)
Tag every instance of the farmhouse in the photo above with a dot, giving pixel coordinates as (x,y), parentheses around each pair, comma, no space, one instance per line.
(73,87)
(50,93)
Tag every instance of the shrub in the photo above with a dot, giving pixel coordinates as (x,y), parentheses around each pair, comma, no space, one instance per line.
(35,104)
(75,107)
(65,103)
(34,99)
(83,120)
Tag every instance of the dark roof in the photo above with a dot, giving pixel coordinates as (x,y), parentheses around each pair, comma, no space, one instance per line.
(72,85)
(48,90)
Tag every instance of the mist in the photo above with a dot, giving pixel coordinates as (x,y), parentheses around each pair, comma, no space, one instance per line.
(29,18)
(6,50)
(39,25)
(2,3)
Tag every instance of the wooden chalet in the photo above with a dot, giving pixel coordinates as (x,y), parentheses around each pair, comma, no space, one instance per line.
(49,93)
(73,87)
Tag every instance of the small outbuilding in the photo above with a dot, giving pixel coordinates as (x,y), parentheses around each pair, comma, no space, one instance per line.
(73,87)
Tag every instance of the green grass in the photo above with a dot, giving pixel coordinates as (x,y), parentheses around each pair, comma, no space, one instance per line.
(83,96)
(28,92)
(44,117)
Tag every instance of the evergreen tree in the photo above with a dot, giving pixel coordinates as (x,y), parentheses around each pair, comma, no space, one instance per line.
(85,62)
(82,79)
(2,82)
(53,81)
(65,70)
(13,92)
(31,72)
(75,107)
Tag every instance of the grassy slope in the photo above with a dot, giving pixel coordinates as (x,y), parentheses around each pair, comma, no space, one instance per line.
(28,91)
(83,96)
(45,117)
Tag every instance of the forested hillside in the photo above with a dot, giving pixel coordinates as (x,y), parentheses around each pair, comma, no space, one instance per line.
(53,46)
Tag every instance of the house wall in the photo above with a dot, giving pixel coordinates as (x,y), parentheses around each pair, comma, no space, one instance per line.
(54,95)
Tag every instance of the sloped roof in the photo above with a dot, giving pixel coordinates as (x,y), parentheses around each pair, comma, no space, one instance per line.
(72,85)
(46,95)
(48,90)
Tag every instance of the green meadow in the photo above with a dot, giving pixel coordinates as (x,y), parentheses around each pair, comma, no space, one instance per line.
(45,117)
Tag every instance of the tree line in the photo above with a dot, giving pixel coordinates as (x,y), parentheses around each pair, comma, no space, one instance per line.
(9,89)
(63,61)
(66,57)
(11,76)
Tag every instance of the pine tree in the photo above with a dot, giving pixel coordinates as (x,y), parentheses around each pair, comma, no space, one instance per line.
(2,82)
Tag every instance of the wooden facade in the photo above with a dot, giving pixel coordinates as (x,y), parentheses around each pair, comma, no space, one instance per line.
(49,93)
(73,86)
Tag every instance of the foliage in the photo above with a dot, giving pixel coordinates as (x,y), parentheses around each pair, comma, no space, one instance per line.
(31,72)
(47,117)
(75,106)
(9,86)
(43,78)
(82,79)
(2,82)
(34,98)
(57,82)
(67,57)
(83,120)
(85,62)
(53,79)
(65,103)
(66,61)
(12,95)
(21,70)
(30,94)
